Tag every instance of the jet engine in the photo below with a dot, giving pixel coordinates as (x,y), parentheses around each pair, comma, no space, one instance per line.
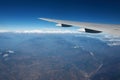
(92,31)
(63,25)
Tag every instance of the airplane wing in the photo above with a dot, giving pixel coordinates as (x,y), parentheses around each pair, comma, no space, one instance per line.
(89,27)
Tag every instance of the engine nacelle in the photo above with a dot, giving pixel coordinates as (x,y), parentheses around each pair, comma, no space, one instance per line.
(63,25)
(92,31)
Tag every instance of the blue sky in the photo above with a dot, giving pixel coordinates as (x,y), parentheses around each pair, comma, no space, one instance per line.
(23,14)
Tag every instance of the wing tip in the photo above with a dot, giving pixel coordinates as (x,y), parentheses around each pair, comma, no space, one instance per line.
(45,19)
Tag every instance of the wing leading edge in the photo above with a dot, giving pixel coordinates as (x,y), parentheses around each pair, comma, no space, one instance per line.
(106,28)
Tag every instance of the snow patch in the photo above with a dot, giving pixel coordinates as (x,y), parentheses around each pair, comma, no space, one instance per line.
(76,47)
(5,55)
(92,54)
(10,51)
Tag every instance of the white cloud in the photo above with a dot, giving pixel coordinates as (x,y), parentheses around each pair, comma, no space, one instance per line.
(40,31)
(3,31)
(108,39)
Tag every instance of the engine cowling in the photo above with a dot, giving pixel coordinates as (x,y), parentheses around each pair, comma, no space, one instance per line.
(92,31)
(63,25)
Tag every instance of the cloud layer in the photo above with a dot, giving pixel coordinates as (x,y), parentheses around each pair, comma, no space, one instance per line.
(40,31)
(110,40)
